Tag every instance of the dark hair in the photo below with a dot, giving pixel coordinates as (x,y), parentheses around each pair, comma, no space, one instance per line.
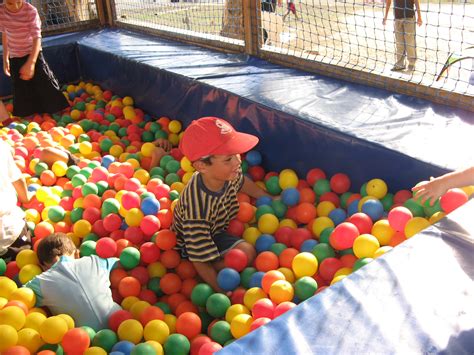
(207,160)
(54,245)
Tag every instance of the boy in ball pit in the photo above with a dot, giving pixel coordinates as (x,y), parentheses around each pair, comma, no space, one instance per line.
(14,234)
(209,200)
(79,287)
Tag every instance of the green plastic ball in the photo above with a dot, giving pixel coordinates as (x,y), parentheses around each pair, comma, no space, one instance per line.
(89,188)
(87,248)
(220,332)
(177,344)
(129,258)
(322,251)
(200,293)
(305,287)
(56,213)
(321,187)
(105,339)
(273,185)
(246,275)
(277,248)
(217,304)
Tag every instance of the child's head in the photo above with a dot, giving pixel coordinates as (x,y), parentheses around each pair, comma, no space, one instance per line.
(213,145)
(14,5)
(51,248)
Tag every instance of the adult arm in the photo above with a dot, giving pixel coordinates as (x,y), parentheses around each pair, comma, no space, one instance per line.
(419,20)
(387,9)
(6,54)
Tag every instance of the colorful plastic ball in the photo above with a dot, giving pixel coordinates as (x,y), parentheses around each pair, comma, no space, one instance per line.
(290,196)
(415,207)
(283,308)
(329,267)
(130,257)
(236,259)
(75,340)
(150,225)
(340,183)
(398,218)
(106,247)
(150,206)
(3,267)
(8,337)
(217,304)
(105,339)
(81,228)
(362,221)
(209,348)
(253,158)
(25,295)
(373,208)
(288,179)
(415,225)
(228,279)
(189,325)
(134,217)
(266,261)
(59,168)
(343,236)
(130,200)
(365,245)
(13,316)
(452,199)
(256,279)
(376,188)
(25,257)
(177,344)
(320,224)
(156,330)
(263,308)
(143,349)
(264,242)
(87,248)
(337,215)
(53,329)
(30,339)
(281,291)
(220,332)
(95,350)
(305,287)
(201,292)
(122,347)
(321,187)
(240,325)
(383,231)
(268,224)
(28,272)
(304,264)
(130,330)
(235,310)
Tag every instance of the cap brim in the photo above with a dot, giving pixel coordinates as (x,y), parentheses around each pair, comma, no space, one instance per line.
(238,144)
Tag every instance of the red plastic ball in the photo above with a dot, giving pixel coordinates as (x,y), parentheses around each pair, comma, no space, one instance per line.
(452,199)
(362,221)
(343,236)
(236,259)
(340,183)
(106,247)
(117,318)
(75,341)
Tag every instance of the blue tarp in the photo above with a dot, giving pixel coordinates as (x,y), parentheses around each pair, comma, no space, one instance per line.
(417,298)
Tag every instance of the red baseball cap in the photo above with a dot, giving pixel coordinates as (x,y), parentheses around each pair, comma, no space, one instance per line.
(211,136)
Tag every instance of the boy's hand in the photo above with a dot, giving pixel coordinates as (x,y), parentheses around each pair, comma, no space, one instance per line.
(419,21)
(27,71)
(429,191)
(6,67)
(163,143)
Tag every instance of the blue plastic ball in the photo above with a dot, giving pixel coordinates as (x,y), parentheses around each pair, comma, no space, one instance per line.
(33,187)
(124,347)
(253,158)
(374,209)
(228,279)
(264,242)
(290,196)
(264,200)
(338,215)
(256,279)
(150,205)
(308,245)
(107,160)
(353,207)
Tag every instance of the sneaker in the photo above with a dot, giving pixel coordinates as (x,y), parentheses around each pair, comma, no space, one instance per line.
(396,68)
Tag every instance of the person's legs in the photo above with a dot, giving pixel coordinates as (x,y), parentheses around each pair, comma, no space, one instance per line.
(399,45)
(51,155)
(410,41)
(249,250)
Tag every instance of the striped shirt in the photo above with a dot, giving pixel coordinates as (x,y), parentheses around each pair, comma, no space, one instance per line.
(21,28)
(201,214)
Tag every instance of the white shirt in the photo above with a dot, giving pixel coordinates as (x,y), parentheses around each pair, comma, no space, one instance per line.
(11,216)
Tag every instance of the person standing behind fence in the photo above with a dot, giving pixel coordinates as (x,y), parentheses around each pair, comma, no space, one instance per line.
(35,88)
(405,31)
(290,7)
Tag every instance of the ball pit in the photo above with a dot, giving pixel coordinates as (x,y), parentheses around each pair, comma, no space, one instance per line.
(313,232)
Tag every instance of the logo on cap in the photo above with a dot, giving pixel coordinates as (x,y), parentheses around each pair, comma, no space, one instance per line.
(224,127)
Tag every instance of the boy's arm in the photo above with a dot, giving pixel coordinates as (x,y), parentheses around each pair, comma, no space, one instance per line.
(6,54)
(207,274)
(21,190)
(251,188)
(387,9)
(433,189)
(419,21)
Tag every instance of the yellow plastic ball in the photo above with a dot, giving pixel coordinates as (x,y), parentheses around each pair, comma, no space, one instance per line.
(156,346)
(287,179)
(252,295)
(34,320)
(138,308)
(337,279)
(343,271)
(175,126)
(268,223)
(142,175)
(52,330)
(147,149)
(415,225)
(170,320)
(382,250)
(42,193)
(235,310)
(435,217)
(26,257)
(324,208)
(69,320)
(129,113)
(116,150)
(289,275)
(156,330)
(25,295)
(365,245)
(134,163)
(156,269)
(128,302)
(320,224)
(134,217)
(3,302)
(240,325)
(174,139)
(186,177)
(7,286)
(8,337)
(13,316)
(382,231)
(85,147)
(251,235)
(178,186)
(127,101)
(75,114)
(377,188)
(281,291)
(30,339)
(59,168)
(286,222)
(186,165)
(82,228)
(28,272)
(130,330)
(304,264)
(95,350)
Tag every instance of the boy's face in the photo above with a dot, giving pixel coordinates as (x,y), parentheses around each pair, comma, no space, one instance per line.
(223,167)
(14,5)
